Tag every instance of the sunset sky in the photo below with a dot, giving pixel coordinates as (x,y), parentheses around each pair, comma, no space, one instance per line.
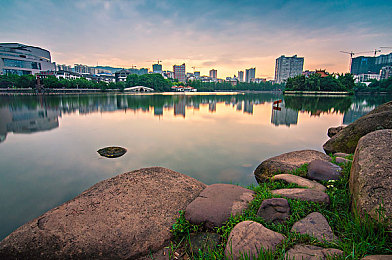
(225,35)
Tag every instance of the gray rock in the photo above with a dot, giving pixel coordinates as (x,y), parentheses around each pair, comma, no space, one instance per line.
(334,130)
(377,257)
(346,140)
(342,160)
(274,210)
(248,238)
(308,252)
(287,162)
(303,194)
(323,171)
(124,217)
(315,225)
(300,181)
(371,175)
(217,203)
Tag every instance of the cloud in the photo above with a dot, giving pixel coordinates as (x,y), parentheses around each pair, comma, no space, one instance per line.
(229,35)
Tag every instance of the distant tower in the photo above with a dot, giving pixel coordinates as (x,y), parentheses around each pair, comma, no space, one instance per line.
(241,76)
(179,72)
(288,67)
(157,68)
(250,74)
(213,74)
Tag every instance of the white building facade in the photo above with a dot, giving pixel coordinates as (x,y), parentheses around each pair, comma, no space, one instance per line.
(20,59)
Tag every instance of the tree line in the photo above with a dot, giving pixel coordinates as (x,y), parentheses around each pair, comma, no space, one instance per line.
(384,85)
(314,82)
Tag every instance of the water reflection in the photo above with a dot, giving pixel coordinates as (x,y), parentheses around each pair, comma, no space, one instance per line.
(29,114)
(213,138)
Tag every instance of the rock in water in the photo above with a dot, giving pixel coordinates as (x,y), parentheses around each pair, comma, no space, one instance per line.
(308,252)
(323,171)
(346,140)
(274,210)
(124,217)
(371,175)
(248,238)
(334,130)
(287,162)
(217,203)
(315,225)
(112,151)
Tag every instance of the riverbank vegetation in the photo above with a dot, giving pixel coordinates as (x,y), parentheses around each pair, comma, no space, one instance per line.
(357,237)
(240,86)
(375,86)
(315,82)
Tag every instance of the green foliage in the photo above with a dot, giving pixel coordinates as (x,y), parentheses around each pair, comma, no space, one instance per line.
(357,237)
(314,82)
(376,86)
(226,86)
(155,81)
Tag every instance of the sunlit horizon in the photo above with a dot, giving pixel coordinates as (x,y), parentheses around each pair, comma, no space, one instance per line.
(228,36)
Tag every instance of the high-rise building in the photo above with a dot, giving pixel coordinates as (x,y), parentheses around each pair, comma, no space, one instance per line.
(213,74)
(197,74)
(250,74)
(241,76)
(16,58)
(386,72)
(369,65)
(157,68)
(288,67)
(179,72)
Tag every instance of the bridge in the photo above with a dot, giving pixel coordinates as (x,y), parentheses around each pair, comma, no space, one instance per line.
(139,89)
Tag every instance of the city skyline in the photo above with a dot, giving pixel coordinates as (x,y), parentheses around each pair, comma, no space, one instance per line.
(226,36)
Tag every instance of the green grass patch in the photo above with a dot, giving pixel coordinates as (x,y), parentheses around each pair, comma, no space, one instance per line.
(357,237)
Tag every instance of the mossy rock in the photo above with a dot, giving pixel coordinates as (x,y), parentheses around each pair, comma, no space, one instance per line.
(347,139)
(112,151)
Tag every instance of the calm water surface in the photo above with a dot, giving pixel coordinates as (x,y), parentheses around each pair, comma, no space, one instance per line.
(48,144)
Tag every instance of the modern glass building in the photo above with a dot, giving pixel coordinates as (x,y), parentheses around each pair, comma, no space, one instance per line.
(368,65)
(250,74)
(16,58)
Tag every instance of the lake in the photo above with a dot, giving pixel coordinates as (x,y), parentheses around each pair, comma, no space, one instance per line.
(48,144)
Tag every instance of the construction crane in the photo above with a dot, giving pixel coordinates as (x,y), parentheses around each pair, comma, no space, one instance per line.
(352,54)
(375,52)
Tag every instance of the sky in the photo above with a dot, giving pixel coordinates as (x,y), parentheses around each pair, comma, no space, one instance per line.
(225,35)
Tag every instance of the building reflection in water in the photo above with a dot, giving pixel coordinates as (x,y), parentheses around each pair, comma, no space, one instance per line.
(33,114)
(25,120)
(283,116)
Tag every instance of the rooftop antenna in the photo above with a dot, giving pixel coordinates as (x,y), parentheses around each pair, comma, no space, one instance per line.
(375,52)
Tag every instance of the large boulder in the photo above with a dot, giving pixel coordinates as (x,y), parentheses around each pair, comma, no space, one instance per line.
(346,140)
(248,238)
(217,203)
(124,217)
(287,162)
(371,175)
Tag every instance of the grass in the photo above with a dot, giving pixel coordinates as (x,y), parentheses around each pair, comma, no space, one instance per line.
(357,237)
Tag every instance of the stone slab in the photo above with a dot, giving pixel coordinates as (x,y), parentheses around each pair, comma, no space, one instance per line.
(300,181)
(303,194)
